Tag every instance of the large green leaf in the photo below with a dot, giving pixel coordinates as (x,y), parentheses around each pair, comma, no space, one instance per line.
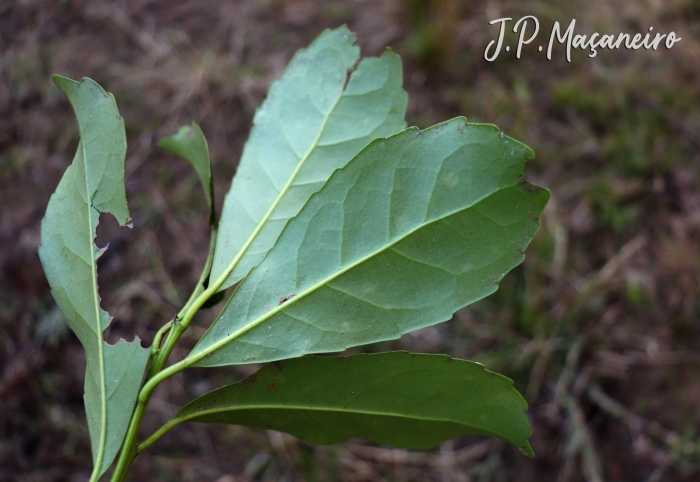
(310,124)
(399,399)
(92,184)
(190,144)
(415,227)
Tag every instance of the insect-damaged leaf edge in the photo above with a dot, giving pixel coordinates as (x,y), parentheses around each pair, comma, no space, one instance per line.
(92,184)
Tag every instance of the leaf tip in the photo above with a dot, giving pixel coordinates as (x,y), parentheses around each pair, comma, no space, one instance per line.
(56,78)
(63,83)
(527,449)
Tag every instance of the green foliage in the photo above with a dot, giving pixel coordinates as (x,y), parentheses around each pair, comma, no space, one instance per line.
(398,398)
(190,144)
(417,226)
(313,122)
(92,184)
(343,231)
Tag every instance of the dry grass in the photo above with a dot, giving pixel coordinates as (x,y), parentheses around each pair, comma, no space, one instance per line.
(598,328)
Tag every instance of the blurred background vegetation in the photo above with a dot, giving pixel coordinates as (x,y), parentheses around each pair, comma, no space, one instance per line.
(598,328)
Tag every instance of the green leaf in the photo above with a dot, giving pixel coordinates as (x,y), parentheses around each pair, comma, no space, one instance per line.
(415,227)
(190,144)
(310,124)
(398,399)
(92,184)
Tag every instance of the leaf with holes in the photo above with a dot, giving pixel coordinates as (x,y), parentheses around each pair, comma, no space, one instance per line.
(341,228)
(92,184)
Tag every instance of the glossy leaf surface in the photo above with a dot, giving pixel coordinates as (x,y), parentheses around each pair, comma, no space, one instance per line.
(92,184)
(399,399)
(415,227)
(313,121)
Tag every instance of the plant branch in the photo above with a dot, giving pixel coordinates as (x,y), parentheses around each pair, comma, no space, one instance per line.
(198,298)
(159,355)
(155,347)
(156,436)
(182,320)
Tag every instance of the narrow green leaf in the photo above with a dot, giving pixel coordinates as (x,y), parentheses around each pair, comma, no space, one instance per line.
(398,399)
(310,124)
(415,227)
(190,144)
(92,184)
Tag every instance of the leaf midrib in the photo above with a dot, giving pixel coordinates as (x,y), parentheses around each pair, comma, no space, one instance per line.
(263,221)
(215,346)
(237,408)
(98,331)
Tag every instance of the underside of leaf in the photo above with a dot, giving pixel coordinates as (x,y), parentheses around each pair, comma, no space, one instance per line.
(415,227)
(92,184)
(190,144)
(313,121)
